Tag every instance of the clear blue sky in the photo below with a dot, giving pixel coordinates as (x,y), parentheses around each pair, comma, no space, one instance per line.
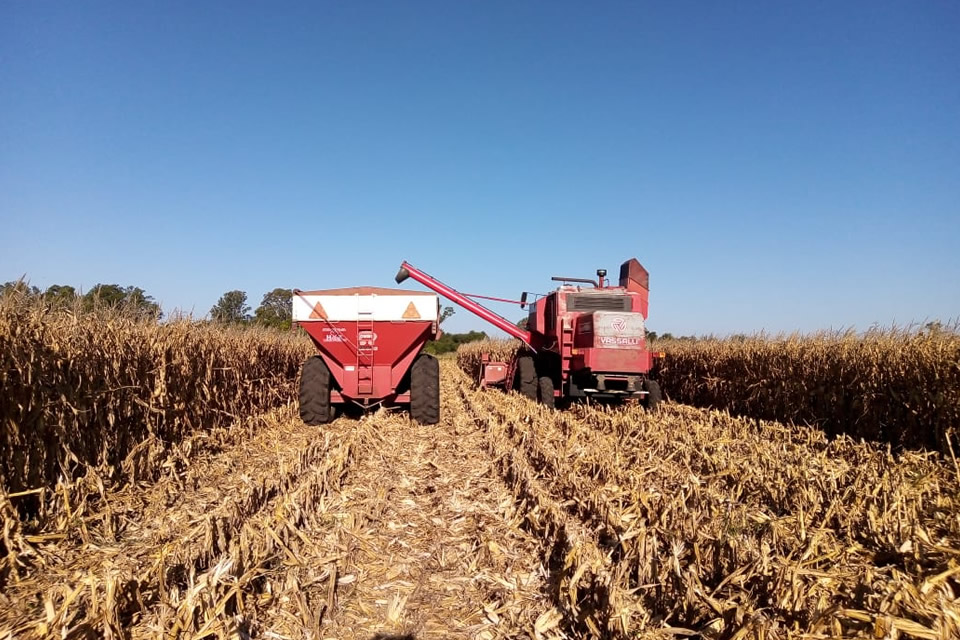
(775,166)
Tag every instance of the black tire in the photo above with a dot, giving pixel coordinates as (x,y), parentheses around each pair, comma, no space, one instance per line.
(525,379)
(547,399)
(315,406)
(425,389)
(654,395)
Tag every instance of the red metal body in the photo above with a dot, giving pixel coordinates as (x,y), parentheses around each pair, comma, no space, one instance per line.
(369,358)
(590,339)
(494,373)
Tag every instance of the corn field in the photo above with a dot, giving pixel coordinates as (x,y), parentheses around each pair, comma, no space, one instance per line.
(506,520)
(900,387)
(106,392)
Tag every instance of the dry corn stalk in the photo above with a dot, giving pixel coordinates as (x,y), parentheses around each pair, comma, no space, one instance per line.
(726,527)
(896,386)
(106,393)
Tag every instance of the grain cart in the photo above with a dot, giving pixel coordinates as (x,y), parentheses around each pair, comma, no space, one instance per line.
(581,341)
(369,343)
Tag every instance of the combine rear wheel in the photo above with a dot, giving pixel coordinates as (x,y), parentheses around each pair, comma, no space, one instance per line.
(315,406)
(654,395)
(525,380)
(425,389)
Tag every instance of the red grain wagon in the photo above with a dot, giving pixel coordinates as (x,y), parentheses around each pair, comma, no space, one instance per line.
(369,342)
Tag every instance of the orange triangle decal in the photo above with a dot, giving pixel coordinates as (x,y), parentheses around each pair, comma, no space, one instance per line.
(411,313)
(318,313)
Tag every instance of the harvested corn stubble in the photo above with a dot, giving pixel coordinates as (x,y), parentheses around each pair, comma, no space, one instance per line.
(505,520)
(731,528)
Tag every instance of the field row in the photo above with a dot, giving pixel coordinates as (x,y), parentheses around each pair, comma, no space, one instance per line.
(709,524)
(138,499)
(90,390)
(275,529)
(899,387)
(507,520)
(896,387)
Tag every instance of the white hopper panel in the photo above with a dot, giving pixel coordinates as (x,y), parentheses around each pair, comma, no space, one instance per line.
(364,303)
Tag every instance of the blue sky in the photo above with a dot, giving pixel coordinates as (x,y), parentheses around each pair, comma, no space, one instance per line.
(775,166)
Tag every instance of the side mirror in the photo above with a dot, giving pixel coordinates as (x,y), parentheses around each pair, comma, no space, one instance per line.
(523,300)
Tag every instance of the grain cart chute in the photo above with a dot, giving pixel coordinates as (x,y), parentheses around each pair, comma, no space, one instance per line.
(369,343)
(581,341)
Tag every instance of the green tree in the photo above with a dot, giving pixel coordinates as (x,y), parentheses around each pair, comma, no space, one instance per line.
(523,323)
(275,309)
(446,312)
(231,308)
(450,341)
(651,336)
(138,300)
(19,287)
(131,299)
(60,295)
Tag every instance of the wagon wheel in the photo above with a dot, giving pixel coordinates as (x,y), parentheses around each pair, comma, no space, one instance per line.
(315,406)
(425,389)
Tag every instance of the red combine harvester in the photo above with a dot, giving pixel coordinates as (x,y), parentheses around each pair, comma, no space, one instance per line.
(581,341)
(369,341)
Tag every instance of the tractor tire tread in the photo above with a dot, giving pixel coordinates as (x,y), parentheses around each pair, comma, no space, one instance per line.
(526,377)
(547,398)
(654,394)
(315,407)
(425,389)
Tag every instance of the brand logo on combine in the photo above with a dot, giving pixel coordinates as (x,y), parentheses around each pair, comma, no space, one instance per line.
(366,338)
(619,324)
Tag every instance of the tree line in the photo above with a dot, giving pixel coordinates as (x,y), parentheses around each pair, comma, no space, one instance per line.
(133,299)
(275,309)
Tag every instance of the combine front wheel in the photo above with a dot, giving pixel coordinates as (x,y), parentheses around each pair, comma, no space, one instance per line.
(526,378)
(425,389)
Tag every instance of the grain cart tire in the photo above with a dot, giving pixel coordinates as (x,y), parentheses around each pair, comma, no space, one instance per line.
(526,377)
(654,395)
(425,389)
(547,399)
(315,408)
